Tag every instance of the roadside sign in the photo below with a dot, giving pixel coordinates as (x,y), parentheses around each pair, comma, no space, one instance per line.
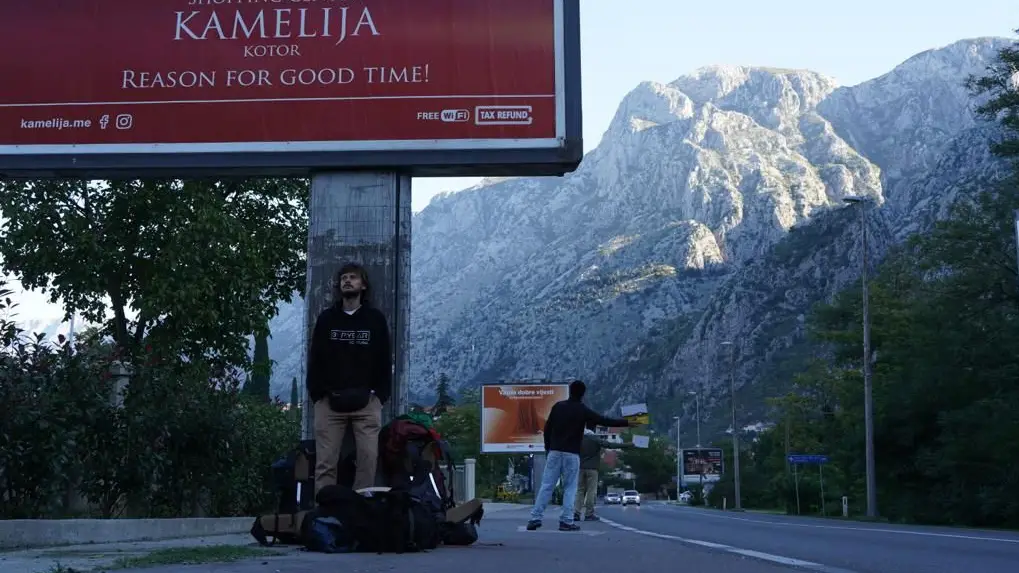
(807,459)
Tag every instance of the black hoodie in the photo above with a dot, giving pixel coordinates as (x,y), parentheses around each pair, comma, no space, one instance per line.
(350,351)
(564,429)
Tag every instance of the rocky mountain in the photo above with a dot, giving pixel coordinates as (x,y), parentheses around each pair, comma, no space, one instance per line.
(711,212)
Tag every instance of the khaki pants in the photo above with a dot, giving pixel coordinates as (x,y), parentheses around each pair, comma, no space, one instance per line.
(587,492)
(331,428)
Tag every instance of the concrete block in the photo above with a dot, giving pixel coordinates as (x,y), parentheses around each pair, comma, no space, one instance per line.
(24,533)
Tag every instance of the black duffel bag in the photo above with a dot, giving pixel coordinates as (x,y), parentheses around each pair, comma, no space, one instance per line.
(384,522)
(349,400)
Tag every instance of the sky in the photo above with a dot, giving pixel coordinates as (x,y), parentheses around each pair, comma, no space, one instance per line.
(625,43)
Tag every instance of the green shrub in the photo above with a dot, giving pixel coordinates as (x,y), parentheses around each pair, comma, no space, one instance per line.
(184,442)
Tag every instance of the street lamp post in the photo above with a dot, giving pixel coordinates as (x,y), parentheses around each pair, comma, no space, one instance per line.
(735,431)
(698,395)
(868,392)
(679,456)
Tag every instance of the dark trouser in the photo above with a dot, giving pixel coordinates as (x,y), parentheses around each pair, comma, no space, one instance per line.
(587,492)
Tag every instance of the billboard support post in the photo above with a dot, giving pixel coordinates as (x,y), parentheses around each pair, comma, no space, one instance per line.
(796,479)
(820,471)
(537,473)
(363,218)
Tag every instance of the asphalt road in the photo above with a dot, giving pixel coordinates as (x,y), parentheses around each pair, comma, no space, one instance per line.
(825,545)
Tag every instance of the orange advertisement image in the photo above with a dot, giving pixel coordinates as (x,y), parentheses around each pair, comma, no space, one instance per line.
(513,416)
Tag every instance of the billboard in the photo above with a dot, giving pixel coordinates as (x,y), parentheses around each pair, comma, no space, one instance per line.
(702,464)
(513,416)
(426,87)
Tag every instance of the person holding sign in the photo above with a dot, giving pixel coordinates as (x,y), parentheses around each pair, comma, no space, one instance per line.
(564,434)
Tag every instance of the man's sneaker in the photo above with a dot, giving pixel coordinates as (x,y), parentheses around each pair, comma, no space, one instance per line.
(576,517)
(532,525)
(568,526)
(591,517)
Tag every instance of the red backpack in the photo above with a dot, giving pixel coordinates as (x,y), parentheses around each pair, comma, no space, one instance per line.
(405,445)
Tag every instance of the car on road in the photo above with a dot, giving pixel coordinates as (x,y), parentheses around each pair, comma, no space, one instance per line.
(613,499)
(685,497)
(631,496)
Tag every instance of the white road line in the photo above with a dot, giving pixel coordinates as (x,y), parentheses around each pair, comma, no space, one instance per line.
(864,529)
(788,561)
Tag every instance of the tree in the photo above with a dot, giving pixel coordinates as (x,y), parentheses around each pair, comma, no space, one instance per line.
(945,325)
(444,400)
(654,466)
(196,266)
(462,429)
(1001,85)
(261,371)
(295,398)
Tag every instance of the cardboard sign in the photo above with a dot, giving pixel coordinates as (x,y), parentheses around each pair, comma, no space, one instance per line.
(637,413)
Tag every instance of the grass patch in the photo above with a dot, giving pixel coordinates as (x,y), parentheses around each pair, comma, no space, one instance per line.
(192,556)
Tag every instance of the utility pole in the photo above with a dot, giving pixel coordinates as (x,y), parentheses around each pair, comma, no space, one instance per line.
(1016,214)
(735,429)
(698,395)
(868,391)
(679,455)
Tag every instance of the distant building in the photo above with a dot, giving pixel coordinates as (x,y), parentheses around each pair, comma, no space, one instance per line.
(610,435)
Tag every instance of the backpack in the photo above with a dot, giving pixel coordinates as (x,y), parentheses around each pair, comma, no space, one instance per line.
(382,521)
(324,533)
(285,528)
(293,480)
(410,451)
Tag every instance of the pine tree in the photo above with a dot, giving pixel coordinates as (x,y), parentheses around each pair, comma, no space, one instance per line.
(258,385)
(1001,85)
(295,399)
(444,400)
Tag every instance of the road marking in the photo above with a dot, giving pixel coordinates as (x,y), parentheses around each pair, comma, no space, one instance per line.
(523,528)
(865,529)
(788,561)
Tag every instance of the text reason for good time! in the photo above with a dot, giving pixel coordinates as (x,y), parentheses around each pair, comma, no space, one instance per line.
(134,79)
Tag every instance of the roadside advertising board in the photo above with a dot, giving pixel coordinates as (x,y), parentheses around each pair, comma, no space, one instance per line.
(706,462)
(513,416)
(112,88)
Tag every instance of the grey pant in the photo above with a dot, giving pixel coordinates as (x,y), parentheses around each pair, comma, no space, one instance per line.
(587,491)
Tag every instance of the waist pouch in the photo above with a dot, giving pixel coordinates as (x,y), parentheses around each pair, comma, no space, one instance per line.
(349,400)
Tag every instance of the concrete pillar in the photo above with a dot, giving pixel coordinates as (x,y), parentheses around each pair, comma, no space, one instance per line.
(470,478)
(364,218)
(538,468)
(121,376)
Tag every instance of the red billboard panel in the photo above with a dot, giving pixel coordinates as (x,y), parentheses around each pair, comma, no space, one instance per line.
(443,86)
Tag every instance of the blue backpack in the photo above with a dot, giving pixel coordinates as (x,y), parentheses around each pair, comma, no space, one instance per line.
(326,534)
